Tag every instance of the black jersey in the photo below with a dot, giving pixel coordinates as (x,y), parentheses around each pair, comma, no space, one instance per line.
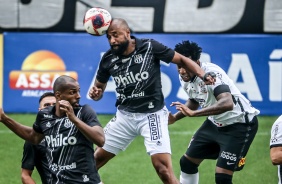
(70,154)
(137,76)
(35,155)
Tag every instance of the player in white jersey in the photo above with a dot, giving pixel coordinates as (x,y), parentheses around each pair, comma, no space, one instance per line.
(276,146)
(230,128)
(134,65)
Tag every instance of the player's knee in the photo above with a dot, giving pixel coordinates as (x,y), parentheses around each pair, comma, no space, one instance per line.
(221,178)
(187,166)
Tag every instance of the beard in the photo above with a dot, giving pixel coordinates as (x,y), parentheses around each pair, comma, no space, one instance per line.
(121,48)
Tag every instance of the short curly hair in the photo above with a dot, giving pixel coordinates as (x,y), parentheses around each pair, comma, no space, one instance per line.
(189,49)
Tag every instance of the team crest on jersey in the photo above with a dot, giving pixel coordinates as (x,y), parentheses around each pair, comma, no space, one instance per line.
(67,123)
(138,58)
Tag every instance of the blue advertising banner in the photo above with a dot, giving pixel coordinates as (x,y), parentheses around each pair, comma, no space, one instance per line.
(32,61)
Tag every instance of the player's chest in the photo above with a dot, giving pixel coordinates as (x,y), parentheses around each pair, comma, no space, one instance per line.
(131,65)
(57,126)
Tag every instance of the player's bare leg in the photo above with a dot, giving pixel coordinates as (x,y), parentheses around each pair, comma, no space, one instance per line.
(163,166)
(102,157)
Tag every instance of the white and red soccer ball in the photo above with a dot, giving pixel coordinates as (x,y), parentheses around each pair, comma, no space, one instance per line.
(97,21)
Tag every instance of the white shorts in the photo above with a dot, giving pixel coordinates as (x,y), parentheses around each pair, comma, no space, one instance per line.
(125,126)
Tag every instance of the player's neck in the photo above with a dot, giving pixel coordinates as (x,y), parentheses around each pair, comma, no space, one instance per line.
(131,48)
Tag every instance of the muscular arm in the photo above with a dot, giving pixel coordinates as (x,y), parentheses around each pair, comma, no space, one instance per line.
(26,177)
(25,132)
(179,115)
(96,92)
(276,155)
(224,103)
(94,134)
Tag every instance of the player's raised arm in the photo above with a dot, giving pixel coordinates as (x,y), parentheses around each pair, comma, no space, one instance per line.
(25,132)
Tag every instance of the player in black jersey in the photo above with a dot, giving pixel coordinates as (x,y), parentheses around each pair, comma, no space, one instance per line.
(35,155)
(134,64)
(69,131)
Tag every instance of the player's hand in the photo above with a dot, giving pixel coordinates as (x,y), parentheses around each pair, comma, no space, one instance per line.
(67,108)
(183,108)
(209,78)
(171,119)
(95,93)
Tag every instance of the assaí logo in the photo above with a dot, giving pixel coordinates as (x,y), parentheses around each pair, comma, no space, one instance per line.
(38,73)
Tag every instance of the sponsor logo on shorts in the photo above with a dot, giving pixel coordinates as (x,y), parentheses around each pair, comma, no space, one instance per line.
(154,127)
(228,156)
(230,163)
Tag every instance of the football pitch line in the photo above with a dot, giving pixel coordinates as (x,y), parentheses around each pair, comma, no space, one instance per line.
(264,133)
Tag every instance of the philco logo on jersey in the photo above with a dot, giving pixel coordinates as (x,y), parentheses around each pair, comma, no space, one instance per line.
(39,71)
(59,140)
(138,58)
(129,78)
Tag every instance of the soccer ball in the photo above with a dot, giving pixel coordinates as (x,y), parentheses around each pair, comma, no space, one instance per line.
(96,21)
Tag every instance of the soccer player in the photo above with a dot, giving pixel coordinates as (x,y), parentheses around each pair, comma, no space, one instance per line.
(229,129)
(35,155)
(69,130)
(134,64)
(276,146)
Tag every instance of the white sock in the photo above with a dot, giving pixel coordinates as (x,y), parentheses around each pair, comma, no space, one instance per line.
(189,178)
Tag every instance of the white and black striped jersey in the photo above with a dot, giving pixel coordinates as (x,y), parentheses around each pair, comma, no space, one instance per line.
(70,154)
(137,76)
(205,95)
(276,141)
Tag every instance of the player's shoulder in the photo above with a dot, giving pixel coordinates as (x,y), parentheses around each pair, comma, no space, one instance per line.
(46,112)
(278,122)
(86,108)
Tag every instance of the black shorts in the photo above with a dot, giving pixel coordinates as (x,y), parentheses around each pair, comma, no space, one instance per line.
(229,145)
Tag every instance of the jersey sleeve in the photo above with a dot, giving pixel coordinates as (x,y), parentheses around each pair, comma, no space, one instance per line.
(36,125)
(162,52)
(276,133)
(89,116)
(103,73)
(28,161)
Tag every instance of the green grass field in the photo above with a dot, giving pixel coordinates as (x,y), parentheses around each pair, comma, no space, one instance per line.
(134,165)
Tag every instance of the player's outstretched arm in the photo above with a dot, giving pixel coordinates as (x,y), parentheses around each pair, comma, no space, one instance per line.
(26,177)
(96,92)
(190,105)
(25,132)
